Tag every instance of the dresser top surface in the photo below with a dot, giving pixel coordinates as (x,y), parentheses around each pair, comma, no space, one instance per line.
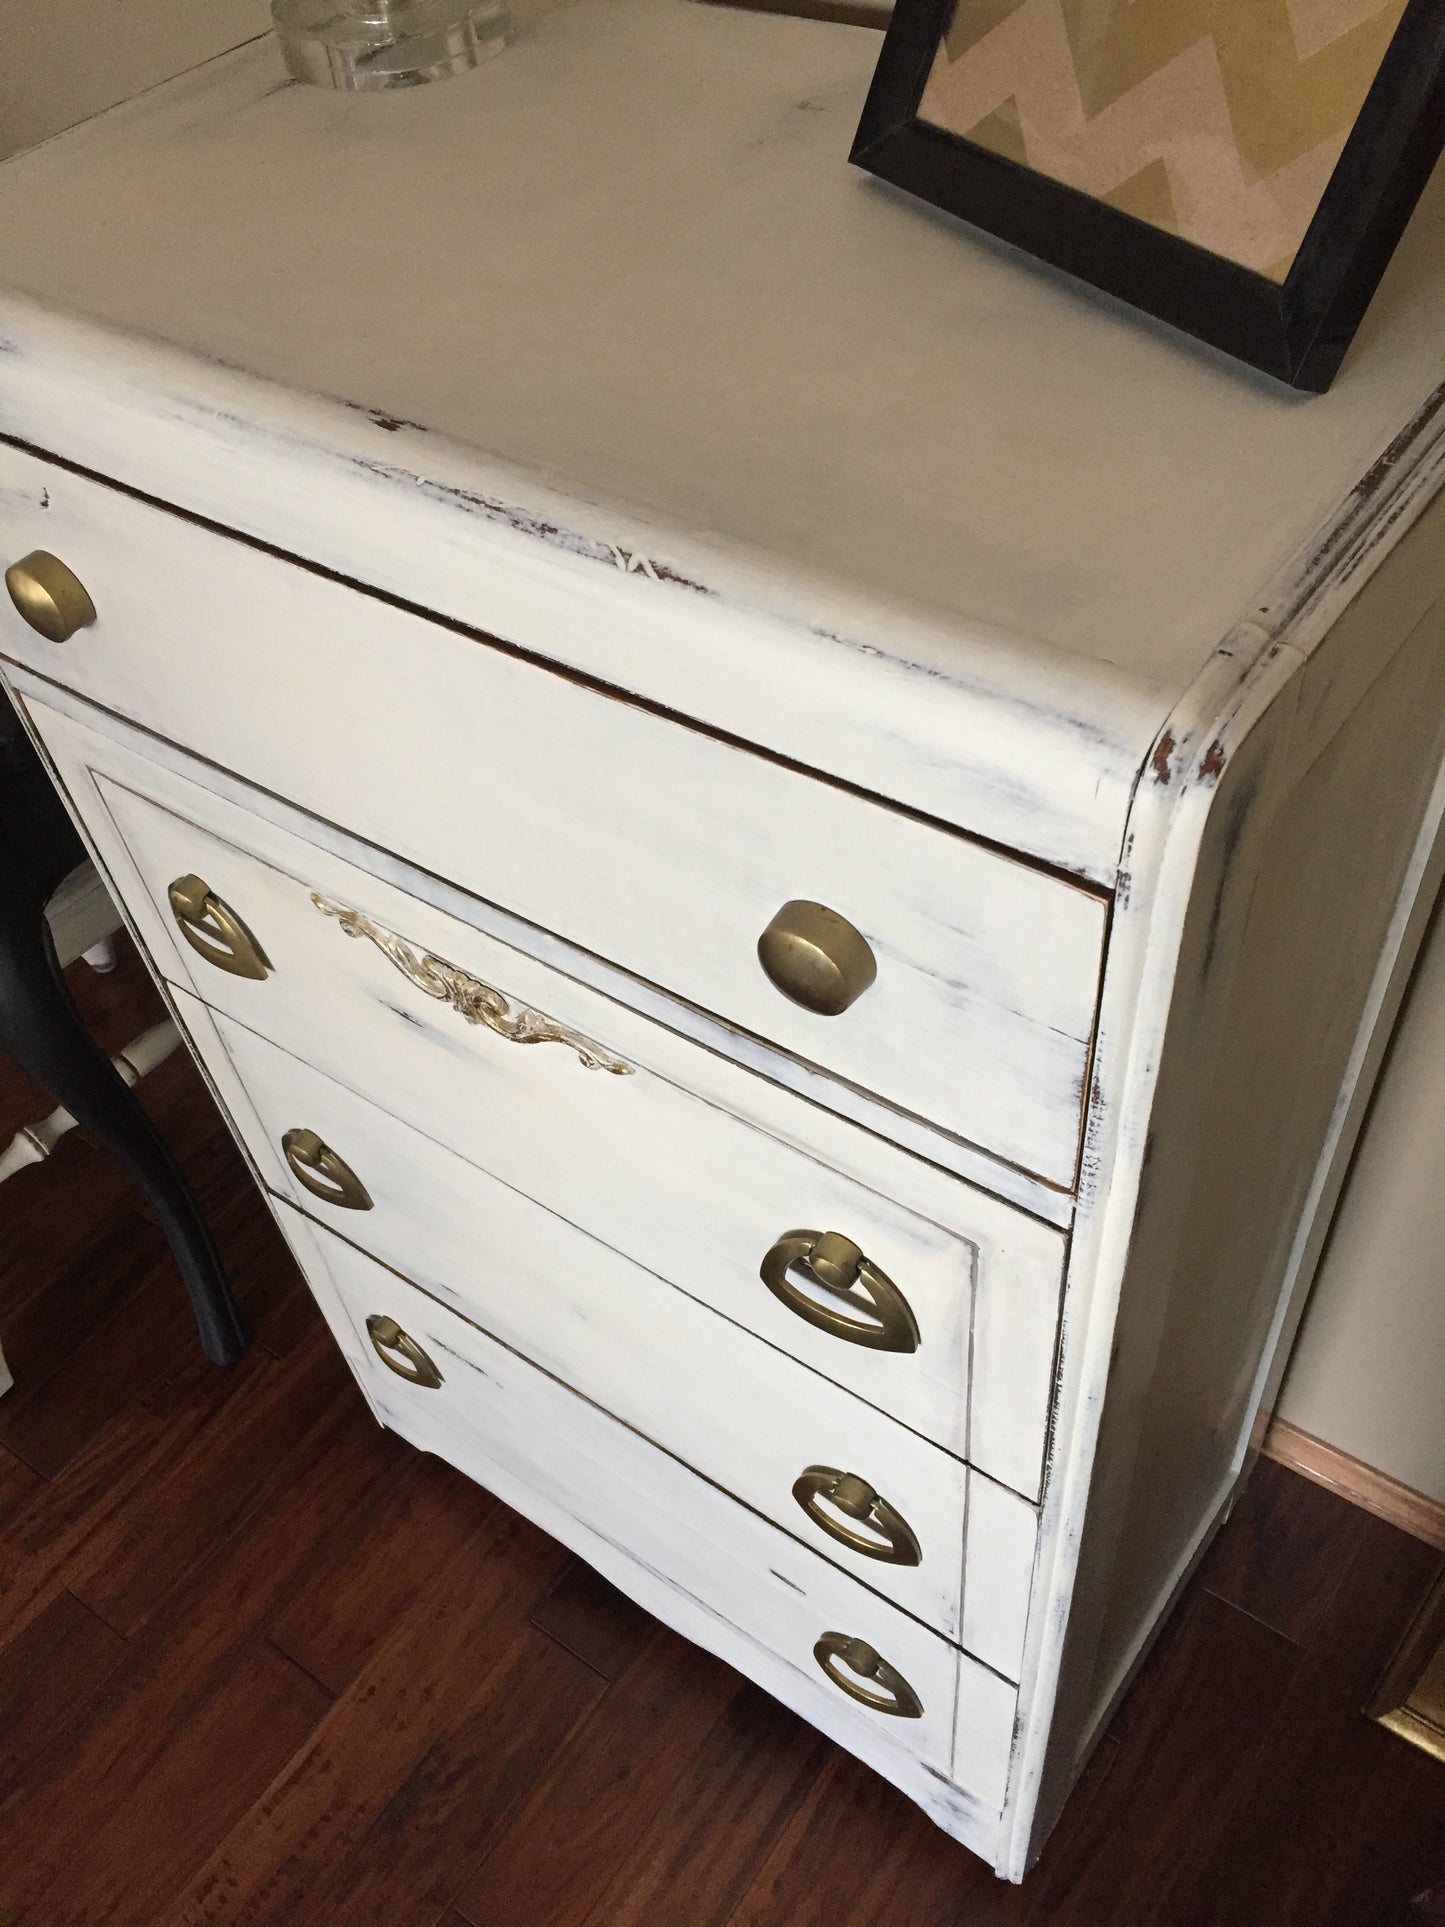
(628,263)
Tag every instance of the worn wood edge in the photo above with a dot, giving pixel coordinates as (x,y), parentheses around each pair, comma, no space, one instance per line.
(1170,812)
(202,439)
(1397,1702)
(1253,667)
(1363,1485)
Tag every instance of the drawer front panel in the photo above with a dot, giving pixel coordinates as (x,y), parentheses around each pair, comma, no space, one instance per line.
(743,1414)
(695,1188)
(507,1424)
(648,843)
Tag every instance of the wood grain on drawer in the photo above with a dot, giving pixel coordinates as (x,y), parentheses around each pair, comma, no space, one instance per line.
(689,1164)
(740,1412)
(519,1432)
(649,843)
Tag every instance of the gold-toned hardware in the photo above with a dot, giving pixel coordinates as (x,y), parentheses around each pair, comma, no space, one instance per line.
(1410,1699)
(468,996)
(869,1309)
(51,598)
(323,1173)
(212,928)
(890,1692)
(391,1344)
(879,1531)
(816,958)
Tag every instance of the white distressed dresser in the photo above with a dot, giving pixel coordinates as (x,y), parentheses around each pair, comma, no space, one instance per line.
(789,844)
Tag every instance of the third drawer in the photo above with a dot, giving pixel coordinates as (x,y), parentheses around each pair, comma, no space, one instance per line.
(952,1547)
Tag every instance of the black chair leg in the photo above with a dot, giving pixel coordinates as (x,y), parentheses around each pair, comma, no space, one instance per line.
(42,1030)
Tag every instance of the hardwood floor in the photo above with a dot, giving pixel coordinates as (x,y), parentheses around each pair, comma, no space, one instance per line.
(262,1663)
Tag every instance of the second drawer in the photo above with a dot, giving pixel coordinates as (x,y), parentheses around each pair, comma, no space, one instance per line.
(907,1519)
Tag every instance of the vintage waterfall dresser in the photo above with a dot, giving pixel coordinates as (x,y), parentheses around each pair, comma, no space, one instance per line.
(789,843)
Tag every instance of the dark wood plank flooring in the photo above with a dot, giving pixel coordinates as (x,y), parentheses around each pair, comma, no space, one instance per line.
(262,1663)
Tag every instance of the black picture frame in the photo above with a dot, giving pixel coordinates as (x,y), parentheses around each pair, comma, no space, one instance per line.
(1297,330)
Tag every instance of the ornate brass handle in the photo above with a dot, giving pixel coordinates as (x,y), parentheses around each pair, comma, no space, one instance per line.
(816,958)
(891,1692)
(323,1173)
(468,996)
(51,598)
(863,1304)
(400,1353)
(879,1532)
(212,929)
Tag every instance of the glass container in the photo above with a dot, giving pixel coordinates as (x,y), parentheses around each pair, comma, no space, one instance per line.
(372,44)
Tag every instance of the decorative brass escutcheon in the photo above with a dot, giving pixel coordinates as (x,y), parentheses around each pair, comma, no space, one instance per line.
(323,1173)
(50,597)
(880,1531)
(816,958)
(849,1662)
(863,1305)
(214,931)
(400,1353)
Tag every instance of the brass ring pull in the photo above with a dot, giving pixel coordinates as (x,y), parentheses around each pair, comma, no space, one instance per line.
(212,929)
(323,1173)
(880,1531)
(837,1651)
(400,1353)
(862,1304)
(816,958)
(50,597)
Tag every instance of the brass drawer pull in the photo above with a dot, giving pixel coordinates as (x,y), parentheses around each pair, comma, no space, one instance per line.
(50,597)
(400,1353)
(212,929)
(468,996)
(816,958)
(862,1304)
(323,1173)
(836,1652)
(879,1531)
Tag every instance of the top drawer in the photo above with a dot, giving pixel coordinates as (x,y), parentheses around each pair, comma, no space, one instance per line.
(643,840)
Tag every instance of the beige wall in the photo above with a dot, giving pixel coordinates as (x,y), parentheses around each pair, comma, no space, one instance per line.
(63,60)
(1368,1371)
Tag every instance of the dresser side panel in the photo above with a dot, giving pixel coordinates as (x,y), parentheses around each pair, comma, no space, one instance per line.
(1307,851)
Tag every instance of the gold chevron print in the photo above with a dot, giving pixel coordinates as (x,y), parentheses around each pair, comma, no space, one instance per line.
(1219,120)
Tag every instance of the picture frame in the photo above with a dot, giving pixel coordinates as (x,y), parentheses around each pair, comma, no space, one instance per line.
(1293,317)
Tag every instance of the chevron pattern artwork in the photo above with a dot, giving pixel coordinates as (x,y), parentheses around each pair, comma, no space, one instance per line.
(1219,120)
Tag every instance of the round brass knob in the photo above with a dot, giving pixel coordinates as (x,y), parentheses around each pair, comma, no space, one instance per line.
(323,1173)
(816,958)
(869,1524)
(860,1302)
(850,1662)
(400,1353)
(214,931)
(51,598)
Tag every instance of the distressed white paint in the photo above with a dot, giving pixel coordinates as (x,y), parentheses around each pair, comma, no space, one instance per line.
(982,1011)
(780,453)
(634,1160)
(858,428)
(270,822)
(763,1608)
(744,1415)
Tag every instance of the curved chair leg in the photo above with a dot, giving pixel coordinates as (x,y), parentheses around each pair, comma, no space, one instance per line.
(42,1030)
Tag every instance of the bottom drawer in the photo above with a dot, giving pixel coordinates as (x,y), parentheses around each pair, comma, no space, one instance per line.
(770,1602)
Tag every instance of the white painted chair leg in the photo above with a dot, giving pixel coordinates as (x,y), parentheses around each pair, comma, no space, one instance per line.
(6,1380)
(34,1142)
(101,956)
